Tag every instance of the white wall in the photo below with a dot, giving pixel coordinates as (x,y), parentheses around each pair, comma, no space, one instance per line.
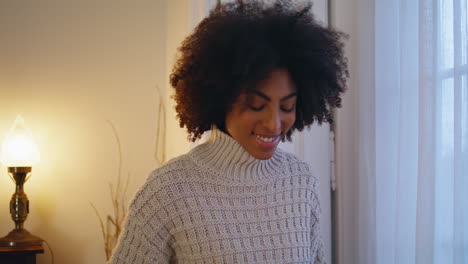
(178,27)
(67,66)
(352,158)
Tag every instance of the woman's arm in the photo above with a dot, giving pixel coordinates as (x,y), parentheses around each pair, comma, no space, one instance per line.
(316,240)
(140,243)
(317,252)
(145,238)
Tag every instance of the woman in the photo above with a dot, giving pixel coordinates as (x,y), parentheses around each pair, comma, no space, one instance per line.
(253,74)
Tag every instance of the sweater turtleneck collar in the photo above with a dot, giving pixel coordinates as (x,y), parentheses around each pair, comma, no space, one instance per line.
(226,157)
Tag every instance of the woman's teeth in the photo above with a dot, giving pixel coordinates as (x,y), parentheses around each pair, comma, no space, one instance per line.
(266,139)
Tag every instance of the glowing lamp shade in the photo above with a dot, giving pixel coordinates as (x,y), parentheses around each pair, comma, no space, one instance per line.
(19,153)
(19,148)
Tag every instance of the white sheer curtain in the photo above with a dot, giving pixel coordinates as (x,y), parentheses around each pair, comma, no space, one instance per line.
(451,133)
(409,97)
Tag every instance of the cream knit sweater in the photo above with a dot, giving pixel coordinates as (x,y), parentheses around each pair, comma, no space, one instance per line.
(218,204)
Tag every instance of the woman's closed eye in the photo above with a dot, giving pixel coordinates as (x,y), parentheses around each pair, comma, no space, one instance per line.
(288,108)
(258,101)
(257,107)
(284,108)
(255,103)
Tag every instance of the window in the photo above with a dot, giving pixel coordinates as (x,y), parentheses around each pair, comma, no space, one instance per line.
(451,121)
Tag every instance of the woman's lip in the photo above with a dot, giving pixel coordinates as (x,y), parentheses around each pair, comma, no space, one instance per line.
(264,144)
(267,136)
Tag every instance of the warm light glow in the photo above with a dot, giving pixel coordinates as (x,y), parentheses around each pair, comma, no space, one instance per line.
(19,148)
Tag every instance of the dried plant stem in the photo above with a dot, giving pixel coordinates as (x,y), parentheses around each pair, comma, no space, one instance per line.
(113,224)
(160,130)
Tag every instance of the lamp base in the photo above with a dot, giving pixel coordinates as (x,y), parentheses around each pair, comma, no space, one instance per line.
(20,238)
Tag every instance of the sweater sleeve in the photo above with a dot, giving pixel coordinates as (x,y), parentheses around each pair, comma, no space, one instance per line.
(317,245)
(145,238)
(138,244)
(316,235)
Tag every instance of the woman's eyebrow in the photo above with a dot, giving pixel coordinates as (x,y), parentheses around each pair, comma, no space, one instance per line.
(288,96)
(264,96)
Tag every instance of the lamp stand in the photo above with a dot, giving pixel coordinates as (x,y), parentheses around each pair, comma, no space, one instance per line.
(19,209)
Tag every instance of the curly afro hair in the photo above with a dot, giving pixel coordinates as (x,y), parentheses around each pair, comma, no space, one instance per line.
(240,44)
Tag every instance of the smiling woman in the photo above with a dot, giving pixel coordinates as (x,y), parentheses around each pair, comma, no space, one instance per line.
(239,45)
(260,118)
(253,74)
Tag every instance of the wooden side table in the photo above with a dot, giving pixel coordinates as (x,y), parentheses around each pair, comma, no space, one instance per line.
(20,255)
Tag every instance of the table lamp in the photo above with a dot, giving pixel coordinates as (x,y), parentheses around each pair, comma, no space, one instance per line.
(19,152)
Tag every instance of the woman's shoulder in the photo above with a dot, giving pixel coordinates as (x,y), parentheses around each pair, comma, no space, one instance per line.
(160,187)
(293,163)
(170,170)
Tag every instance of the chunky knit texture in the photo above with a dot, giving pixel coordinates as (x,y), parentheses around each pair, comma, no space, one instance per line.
(218,204)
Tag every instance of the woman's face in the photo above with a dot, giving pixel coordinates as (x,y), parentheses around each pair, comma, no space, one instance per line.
(259,119)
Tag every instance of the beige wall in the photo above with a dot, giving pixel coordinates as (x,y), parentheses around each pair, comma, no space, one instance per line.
(67,67)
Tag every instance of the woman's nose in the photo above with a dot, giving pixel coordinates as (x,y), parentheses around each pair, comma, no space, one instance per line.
(272,122)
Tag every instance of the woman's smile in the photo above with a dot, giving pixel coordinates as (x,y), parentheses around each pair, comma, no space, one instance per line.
(261,117)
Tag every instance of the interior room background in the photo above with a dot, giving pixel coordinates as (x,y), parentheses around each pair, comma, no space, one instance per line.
(74,69)
(402,135)
(69,67)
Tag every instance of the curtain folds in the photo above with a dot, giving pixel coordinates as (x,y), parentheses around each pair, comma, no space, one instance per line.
(421,131)
(412,195)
